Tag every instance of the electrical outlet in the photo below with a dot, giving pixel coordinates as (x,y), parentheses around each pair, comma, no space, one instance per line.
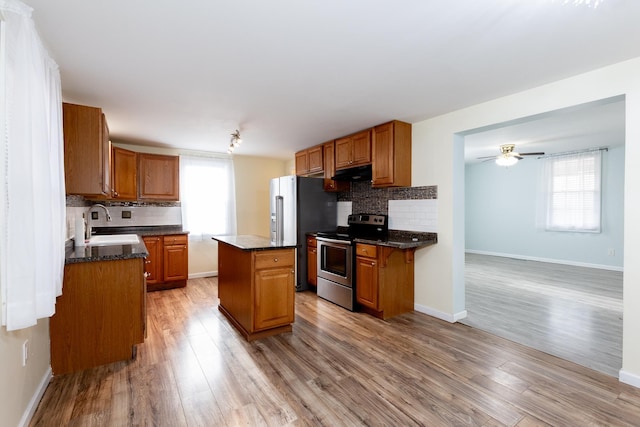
(611,252)
(25,352)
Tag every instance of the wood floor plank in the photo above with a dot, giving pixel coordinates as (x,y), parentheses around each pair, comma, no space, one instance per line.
(336,368)
(568,311)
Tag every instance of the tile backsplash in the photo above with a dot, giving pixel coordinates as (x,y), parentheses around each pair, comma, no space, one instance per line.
(409,208)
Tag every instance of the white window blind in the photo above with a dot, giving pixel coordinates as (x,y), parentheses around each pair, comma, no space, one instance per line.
(571,192)
(207,194)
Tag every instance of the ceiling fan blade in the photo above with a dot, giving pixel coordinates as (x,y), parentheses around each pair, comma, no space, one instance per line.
(519,157)
(486,157)
(532,154)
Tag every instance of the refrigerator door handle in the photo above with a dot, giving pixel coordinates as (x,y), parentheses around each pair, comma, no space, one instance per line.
(279,220)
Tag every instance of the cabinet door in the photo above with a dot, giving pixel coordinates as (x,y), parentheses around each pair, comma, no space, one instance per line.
(344,153)
(316,159)
(391,146)
(274,297)
(302,162)
(86,151)
(153,262)
(382,170)
(361,148)
(124,174)
(330,170)
(159,177)
(367,282)
(176,258)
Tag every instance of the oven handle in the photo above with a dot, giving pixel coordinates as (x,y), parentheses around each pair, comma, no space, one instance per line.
(341,242)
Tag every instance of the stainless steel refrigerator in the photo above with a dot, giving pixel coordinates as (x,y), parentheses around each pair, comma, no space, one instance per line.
(300,205)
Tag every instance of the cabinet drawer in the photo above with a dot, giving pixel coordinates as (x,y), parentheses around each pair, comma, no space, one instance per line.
(180,239)
(365,250)
(311,242)
(272,259)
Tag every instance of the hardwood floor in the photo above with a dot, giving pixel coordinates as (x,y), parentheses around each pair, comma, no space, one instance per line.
(335,368)
(570,312)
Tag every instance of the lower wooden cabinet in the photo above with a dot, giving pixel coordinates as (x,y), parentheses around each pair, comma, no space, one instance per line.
(384,280)
(100,316)
(257,289)
(312,261)
(167,265)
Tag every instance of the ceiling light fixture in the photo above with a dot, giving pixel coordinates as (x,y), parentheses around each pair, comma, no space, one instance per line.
(506,160)
(235,141)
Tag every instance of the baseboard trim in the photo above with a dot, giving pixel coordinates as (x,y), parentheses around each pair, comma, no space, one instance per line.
(549,260)
(629,378)
(35,399)
(203,274)
(451,318)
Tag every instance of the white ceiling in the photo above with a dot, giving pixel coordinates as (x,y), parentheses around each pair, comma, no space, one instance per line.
(290,74)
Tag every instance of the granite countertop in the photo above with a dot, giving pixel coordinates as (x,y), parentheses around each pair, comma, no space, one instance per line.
(248,242)
(117,252)
(400,239)
(104,253)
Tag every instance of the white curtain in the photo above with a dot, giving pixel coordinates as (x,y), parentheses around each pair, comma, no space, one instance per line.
(207,196)
(32,202)
(571,192)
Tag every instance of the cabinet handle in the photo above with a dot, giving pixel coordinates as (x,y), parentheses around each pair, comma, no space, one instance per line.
(148,261)
(115,194)
(146,274)
(275,260)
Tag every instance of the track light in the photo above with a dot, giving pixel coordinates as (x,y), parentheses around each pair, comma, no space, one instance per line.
(235,141)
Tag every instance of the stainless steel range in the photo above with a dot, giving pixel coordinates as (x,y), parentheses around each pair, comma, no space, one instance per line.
(336,272)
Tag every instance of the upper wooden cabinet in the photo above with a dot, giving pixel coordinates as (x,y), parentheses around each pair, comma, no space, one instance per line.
(330,185)
(353,150)
(87,151)
(158,177)
(310,161)
(391,159)
(124,174)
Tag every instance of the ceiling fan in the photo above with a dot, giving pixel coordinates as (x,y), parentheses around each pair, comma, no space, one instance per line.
(508,157)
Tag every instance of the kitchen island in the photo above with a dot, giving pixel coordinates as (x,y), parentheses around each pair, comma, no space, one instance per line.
(256,284)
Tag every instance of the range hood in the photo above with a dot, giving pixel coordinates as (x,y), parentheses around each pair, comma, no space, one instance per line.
(359,173)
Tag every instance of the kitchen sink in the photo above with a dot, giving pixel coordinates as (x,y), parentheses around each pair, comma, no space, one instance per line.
(113,239)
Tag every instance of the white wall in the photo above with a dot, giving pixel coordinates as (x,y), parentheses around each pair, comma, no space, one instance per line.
(500,215)
(21,387)
(438,160)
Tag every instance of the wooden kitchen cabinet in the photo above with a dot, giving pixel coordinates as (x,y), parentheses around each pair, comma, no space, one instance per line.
(312,261)
(391,155)
(100,316)
(124,173)
(167,265)
(353,150)
(256,289)
(330,169)
(176,259)
(384,280)
(87,151)
(310,161)
(158,177)
(153,262)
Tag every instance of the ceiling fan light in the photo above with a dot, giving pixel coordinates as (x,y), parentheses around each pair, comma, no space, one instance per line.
(506,161)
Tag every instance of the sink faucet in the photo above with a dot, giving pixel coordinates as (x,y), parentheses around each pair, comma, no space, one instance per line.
(97,205)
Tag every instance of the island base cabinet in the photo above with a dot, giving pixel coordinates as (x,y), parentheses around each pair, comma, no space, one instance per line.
(100,316)
(257,289)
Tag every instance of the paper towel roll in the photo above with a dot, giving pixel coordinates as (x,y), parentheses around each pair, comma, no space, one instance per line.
(79,233)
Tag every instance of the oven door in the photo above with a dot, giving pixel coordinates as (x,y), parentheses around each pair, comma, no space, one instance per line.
(335,260)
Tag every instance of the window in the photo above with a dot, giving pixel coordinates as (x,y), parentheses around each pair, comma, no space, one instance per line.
(207,193)
(571,192)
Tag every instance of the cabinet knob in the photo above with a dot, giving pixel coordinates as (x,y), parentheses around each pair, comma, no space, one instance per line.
(148,261)
(115,194)
(275,260)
